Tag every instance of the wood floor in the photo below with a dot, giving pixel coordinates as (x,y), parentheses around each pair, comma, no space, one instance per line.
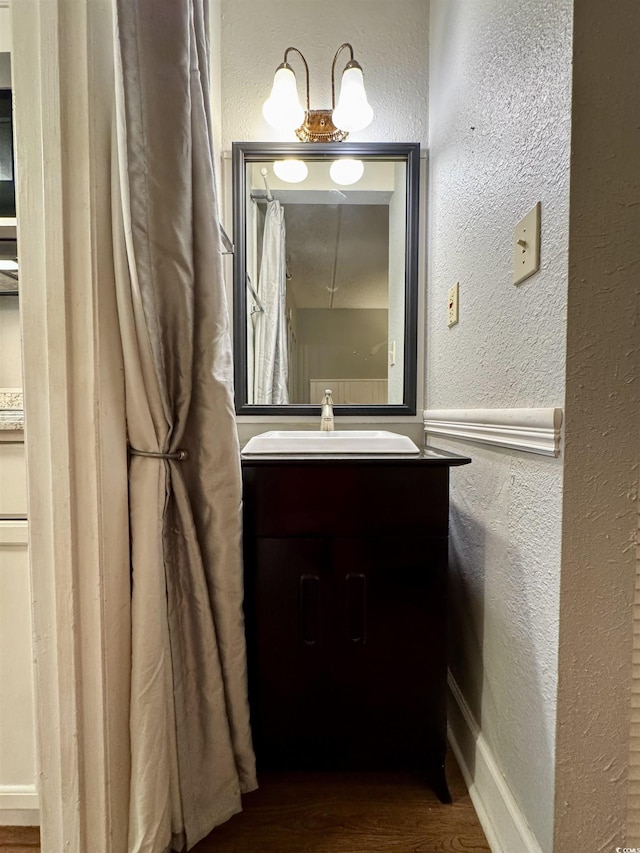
(350,813)
(19,839)
(334,813)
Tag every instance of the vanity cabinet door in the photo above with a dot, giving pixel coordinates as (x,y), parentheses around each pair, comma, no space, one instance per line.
(288,604)
(390,650)
(346,645)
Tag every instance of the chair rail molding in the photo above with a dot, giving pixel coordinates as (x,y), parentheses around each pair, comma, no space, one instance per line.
(528,430)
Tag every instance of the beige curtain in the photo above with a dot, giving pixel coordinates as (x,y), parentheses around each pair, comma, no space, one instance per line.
(189,726)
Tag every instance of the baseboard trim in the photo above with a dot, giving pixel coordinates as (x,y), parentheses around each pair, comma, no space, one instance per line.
(19,817)
(502,821)
(19,805)
(529,430)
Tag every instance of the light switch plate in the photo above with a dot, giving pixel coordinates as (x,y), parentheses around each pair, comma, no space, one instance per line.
(453,305)
(526,245)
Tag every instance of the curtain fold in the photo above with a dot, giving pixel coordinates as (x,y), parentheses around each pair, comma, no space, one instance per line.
(189,723)
(270,335)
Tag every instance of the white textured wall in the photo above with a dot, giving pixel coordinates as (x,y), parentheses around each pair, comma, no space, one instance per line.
(500,131)
(389,38)
(595,771)
(500,110)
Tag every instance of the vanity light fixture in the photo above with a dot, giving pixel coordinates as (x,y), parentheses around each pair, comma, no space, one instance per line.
(346,171)
(291,171)
(283,110)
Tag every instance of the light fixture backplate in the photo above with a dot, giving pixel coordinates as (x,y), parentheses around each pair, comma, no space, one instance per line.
(319,127)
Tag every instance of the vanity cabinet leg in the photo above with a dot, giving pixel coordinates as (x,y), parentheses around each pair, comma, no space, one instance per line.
(437,781)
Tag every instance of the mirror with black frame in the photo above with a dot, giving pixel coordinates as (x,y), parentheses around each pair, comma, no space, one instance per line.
(325,277)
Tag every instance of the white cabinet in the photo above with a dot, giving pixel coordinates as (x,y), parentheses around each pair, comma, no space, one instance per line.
(18,788)
(13,480)
(18,791)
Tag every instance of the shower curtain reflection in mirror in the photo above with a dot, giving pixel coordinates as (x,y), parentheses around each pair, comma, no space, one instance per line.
(267,336)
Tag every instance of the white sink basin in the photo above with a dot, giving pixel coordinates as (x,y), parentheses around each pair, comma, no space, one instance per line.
(312,443)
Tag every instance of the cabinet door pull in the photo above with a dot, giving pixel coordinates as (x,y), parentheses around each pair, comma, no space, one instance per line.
(310,609)
(356,605)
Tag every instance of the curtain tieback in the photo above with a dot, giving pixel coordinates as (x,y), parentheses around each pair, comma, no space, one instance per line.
(179,455)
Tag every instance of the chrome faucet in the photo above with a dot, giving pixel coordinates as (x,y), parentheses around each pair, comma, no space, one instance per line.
(326,419)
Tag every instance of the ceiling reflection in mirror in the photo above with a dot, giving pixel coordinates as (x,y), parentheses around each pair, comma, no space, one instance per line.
(325,271)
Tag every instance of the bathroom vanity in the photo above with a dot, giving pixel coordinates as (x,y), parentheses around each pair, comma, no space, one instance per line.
(346,612)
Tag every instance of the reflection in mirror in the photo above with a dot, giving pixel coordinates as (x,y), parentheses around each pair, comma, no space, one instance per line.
(8,261)
(8,246)
(325,278)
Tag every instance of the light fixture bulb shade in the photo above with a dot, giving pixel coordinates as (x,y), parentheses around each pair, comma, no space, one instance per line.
(353,111)
(282,109)
(346,171)
(291,171)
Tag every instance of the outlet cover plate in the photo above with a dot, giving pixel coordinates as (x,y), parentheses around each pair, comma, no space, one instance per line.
(526,245)
(453,305)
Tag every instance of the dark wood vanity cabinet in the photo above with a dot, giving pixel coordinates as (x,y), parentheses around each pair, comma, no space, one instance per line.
(345,602)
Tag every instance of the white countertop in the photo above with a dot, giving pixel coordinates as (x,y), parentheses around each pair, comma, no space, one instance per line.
(11,409)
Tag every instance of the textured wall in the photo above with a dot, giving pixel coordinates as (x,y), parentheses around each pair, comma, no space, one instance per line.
(505,530)
(389,38)
(500,124)
(500,110)
(602,439)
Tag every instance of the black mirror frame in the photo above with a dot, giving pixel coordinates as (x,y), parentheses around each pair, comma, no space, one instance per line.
(252,152)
